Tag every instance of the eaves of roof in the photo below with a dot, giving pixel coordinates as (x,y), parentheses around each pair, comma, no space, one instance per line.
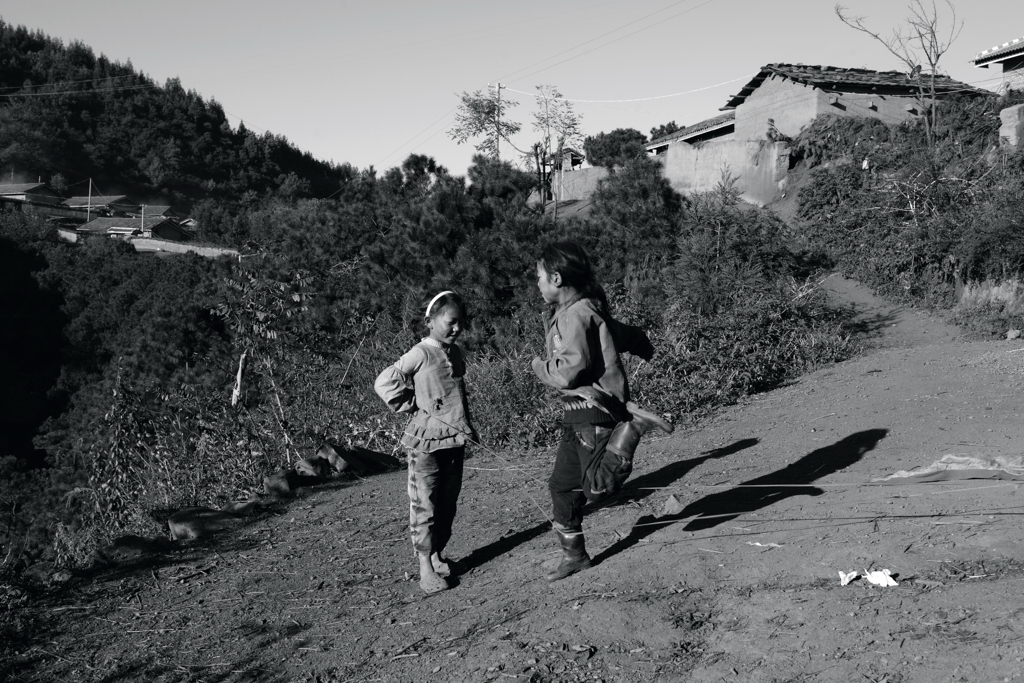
(1000,53)
(720,121)
(838,79)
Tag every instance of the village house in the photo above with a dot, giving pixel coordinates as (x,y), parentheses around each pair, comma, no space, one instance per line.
(1011,56)
(126,227)
(722,126)
(750,141)
(40,193)
(102,205)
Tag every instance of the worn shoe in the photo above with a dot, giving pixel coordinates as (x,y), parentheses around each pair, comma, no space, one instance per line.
(648,419)
(443,567)
(575,557)
(432,583)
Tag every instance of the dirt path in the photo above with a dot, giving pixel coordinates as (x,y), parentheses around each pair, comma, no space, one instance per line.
(697,578)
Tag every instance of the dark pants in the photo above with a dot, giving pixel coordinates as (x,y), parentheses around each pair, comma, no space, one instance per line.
(435,481)
(581,445)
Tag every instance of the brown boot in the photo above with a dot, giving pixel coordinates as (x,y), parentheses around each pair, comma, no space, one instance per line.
(574,558)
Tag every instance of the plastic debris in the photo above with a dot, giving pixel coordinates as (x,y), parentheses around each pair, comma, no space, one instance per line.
(845,578)
(764,545)
(673,506)
(880,577)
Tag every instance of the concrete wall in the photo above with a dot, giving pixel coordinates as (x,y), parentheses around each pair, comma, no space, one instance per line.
(1013,73)
(793,107)
(578,184)
(1011,132)
(759,166)
(790,105)
(890,109)
(151,244)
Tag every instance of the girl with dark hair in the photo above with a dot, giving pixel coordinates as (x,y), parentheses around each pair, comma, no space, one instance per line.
(428,382)
(601,425)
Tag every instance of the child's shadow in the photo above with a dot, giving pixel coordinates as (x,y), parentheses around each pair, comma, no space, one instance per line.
(755,494)
(637,489)
(644,486)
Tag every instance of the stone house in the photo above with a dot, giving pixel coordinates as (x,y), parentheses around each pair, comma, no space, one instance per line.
(788,97)
(1011,56)
(750,140)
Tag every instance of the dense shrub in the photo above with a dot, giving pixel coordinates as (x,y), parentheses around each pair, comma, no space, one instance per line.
(920,220)
(333,291)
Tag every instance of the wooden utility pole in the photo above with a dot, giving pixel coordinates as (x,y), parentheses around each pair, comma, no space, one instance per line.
(497,122)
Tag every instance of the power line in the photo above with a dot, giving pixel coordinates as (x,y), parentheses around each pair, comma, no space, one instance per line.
(400,147)
(551,66)
(637,99)
(608,33)
(91,91)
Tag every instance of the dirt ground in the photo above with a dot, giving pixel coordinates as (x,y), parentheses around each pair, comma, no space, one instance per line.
(719,561)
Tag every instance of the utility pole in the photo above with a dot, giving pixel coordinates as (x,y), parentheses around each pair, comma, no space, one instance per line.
(497,122)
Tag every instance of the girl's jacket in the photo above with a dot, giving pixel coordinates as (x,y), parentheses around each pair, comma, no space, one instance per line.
(583,356)
(428,381)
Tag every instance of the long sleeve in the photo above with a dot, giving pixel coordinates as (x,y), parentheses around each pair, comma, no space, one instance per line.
(394,385)
(570,360)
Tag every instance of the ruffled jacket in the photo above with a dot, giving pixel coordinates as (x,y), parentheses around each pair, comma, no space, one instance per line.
(429,382)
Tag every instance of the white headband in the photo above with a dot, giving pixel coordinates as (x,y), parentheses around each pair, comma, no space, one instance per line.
(434,301)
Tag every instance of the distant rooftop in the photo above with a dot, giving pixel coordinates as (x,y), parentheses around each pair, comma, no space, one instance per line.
(102,225)
(847,80)
(98,200)
(1000,53)
(19,188)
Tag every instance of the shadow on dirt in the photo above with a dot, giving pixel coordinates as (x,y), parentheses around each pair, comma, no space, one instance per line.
(644,486)
(491,551)
(792,480)
(637,489)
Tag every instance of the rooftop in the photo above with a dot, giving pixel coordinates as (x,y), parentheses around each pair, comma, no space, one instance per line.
(999,53)
(839,79)
(97,200)
(102,225)
(20,188)
(719,121)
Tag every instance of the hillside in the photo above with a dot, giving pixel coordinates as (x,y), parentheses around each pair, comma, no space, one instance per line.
(67,115)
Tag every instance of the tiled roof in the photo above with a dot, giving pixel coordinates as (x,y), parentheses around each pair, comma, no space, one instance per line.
(101,225)
(837,79)
(97,200)
(690,131)
(19,188)
(999,52)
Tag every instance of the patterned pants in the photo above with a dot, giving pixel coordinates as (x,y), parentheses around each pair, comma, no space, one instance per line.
(435,481)
(580,445)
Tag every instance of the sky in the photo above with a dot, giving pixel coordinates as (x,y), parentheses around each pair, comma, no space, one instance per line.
(369,83)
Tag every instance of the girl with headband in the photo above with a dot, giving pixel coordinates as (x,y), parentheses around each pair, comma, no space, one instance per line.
(428,382)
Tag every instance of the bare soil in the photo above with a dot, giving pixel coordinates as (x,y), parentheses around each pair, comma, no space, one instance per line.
(719,561)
